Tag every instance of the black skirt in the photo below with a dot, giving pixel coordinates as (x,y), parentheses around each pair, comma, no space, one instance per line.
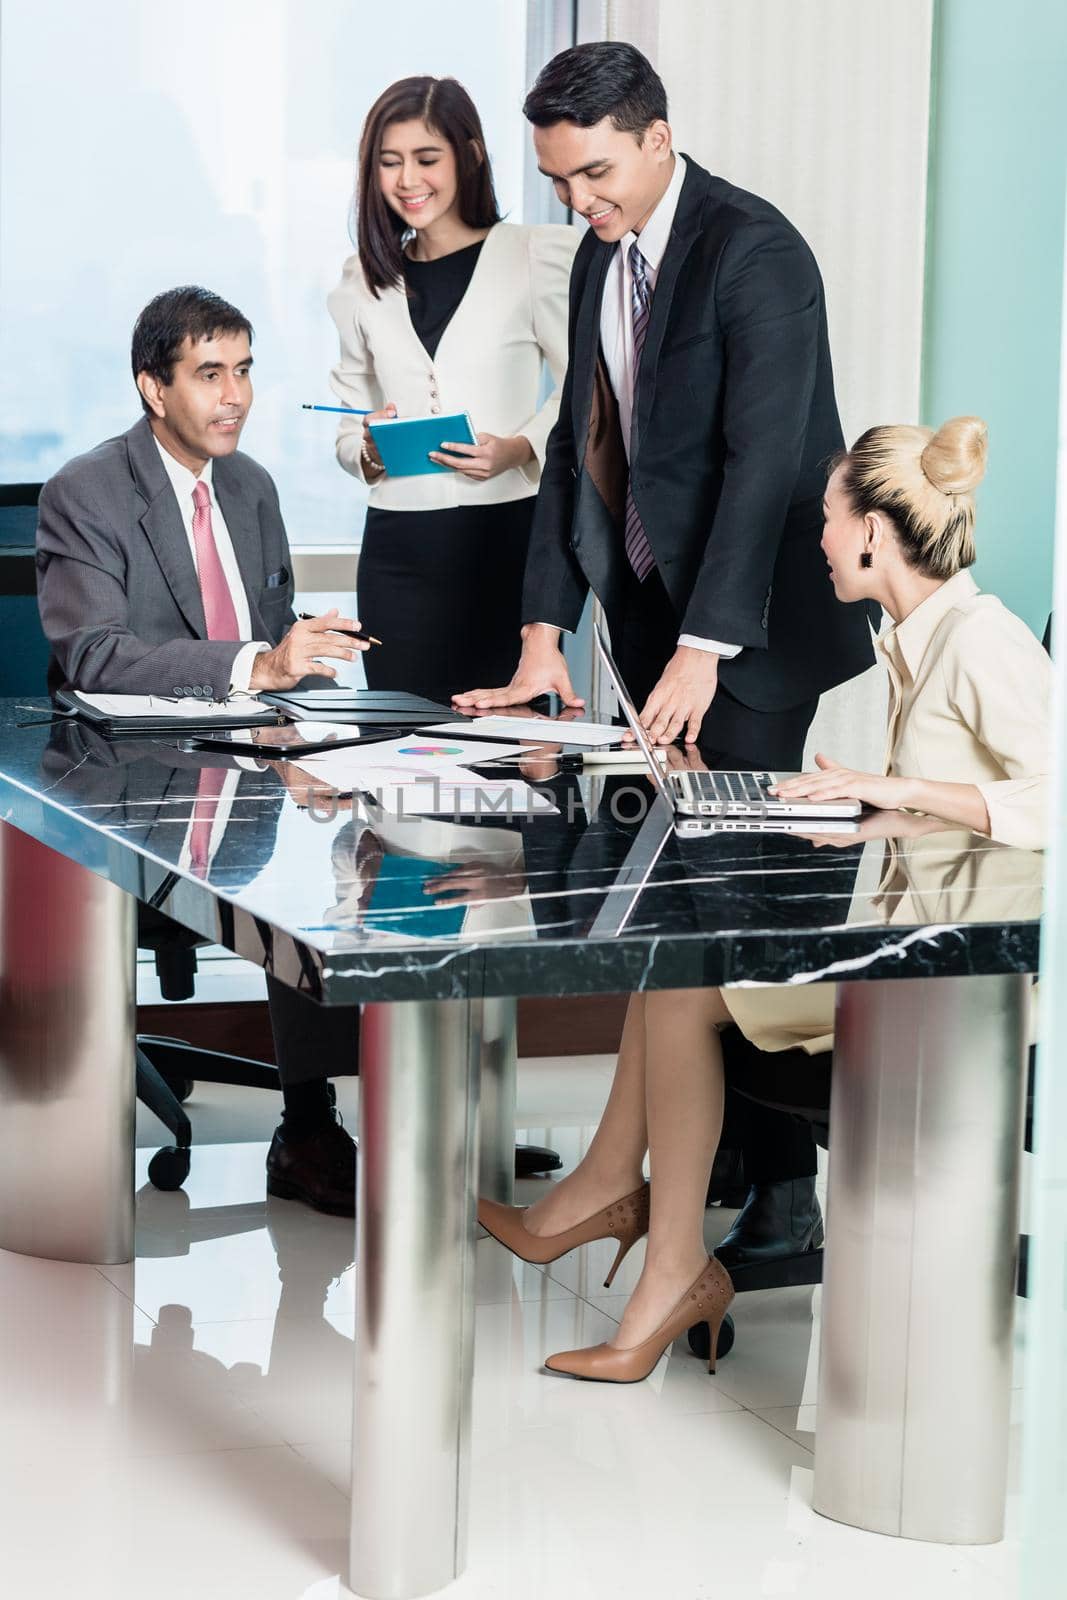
(443,592)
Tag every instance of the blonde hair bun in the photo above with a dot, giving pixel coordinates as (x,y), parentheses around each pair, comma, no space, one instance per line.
(955,459)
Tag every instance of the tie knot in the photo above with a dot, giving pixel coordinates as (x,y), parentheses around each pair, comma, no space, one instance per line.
(201,495)
(638,264)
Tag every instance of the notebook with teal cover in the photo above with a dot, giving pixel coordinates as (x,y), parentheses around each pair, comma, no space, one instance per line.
(394,902)
(405,445)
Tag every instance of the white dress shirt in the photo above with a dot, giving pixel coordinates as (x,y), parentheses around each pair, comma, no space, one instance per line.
(183,482)
(617,328)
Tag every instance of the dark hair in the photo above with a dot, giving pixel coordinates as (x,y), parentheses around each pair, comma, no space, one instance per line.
(172,317)
(592,81)
(446,107)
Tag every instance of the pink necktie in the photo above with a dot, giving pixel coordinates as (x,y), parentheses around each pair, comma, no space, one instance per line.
(219,613)
(210,784)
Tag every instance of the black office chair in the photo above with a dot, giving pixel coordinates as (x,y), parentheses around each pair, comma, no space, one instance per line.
(166,1068)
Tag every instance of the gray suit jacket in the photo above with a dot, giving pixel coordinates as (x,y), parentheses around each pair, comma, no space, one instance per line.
(116,582)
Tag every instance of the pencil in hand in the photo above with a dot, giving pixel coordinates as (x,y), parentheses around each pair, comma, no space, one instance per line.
(344,411)
(349,633)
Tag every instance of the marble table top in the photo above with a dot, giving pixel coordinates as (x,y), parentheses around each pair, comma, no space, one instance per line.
(601,897)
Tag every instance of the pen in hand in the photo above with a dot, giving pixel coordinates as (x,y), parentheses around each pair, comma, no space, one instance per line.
(345,411)
(349,633)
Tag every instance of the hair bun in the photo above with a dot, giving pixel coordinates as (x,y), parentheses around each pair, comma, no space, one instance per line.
(955,458)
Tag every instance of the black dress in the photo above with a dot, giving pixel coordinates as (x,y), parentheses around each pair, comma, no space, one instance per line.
(442,589)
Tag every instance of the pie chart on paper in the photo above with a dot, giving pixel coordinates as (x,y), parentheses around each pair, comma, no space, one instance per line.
(431,750)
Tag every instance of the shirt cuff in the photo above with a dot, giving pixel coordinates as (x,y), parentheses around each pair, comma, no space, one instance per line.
(559,626)
(715,646)
(243,662)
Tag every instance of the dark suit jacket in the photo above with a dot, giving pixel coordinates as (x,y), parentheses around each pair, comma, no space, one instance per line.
(116,582)
(734,423)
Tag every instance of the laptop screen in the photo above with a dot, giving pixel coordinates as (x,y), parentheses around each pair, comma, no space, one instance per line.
(629,711)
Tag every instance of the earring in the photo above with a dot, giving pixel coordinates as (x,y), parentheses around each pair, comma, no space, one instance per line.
(866,559)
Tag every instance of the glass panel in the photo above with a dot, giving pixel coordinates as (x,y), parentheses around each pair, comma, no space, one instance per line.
(143,146)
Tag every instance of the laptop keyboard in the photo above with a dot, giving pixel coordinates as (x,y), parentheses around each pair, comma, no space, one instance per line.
(720,791)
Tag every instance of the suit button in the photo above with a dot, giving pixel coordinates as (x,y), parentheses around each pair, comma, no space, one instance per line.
(435,408)
(178,690)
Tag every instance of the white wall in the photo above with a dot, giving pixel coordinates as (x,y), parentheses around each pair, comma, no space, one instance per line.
(821,106)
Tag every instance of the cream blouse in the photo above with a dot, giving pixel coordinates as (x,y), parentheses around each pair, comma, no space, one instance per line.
(970,702)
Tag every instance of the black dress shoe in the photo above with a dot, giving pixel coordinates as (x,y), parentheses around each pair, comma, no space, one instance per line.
(533,1159)
(319,1168)
(776,1237)
(727,1186)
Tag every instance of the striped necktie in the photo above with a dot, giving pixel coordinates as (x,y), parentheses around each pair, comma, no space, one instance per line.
(638,550)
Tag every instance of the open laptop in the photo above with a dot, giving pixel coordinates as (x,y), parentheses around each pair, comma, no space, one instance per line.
(728,802)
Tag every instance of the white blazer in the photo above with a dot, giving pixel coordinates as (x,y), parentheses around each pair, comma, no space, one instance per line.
(511,321)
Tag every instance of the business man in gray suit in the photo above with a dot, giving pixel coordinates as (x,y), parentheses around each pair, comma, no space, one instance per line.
(163,568)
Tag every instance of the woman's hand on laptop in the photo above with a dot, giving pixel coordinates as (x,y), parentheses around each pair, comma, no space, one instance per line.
(834,782)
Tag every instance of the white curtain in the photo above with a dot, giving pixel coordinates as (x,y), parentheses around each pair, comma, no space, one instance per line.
(821,106)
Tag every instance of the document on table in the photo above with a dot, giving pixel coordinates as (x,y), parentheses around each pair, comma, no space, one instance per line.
(427,788)
(152,705)
(543,729)
(422,753)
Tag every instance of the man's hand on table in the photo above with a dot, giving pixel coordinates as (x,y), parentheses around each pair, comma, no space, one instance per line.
(681,698)
(541,670)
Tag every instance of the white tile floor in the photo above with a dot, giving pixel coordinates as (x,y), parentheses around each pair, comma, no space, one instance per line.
(180,1427)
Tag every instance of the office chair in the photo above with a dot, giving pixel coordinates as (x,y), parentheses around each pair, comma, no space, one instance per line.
(166,1068)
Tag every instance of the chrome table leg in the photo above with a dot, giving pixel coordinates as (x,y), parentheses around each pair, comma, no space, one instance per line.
(498,1051)
(67,1020)
(414,1352)
(922,1236)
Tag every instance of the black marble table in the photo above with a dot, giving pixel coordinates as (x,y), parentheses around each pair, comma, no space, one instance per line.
(430,922)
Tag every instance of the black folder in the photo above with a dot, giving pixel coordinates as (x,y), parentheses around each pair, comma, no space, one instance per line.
(371,708)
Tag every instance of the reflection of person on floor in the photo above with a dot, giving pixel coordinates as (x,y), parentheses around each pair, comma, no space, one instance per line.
(968,741)
(312,1256)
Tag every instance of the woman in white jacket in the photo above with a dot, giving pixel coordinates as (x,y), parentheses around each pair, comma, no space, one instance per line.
(444,308)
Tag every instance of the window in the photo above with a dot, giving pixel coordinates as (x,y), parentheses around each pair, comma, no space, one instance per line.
(144,146)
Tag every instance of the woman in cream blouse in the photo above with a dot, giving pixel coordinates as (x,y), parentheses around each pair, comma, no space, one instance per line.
(968,742)
(444,308)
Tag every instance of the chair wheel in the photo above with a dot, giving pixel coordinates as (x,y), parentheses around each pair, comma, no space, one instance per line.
(700,1344)
(169,1167)
(180,1088)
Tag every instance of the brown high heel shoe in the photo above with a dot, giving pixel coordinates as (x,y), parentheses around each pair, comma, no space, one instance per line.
(706,1300)
(625,1220)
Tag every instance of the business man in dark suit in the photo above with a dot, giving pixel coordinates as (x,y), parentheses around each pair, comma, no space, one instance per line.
(163,568)
(683,481)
